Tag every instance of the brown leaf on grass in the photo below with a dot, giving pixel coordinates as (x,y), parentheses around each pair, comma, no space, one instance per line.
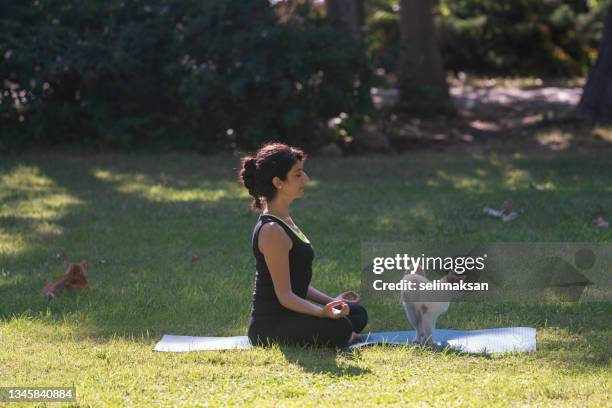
(74,277)
(506,208)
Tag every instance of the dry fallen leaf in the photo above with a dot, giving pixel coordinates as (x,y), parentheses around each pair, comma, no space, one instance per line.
(506,208)
(75,277)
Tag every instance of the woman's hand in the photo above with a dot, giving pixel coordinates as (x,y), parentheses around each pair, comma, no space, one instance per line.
(348,296)
(330,311)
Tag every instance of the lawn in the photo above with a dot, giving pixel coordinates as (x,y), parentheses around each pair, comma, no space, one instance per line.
(138,220)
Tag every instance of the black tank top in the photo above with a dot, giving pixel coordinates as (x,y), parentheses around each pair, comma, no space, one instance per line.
(265,302)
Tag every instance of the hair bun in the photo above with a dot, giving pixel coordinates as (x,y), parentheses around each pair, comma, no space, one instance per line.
(249,168)
(257,172)
(250,164)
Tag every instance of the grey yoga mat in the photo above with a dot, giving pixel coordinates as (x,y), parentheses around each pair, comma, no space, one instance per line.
(502,340)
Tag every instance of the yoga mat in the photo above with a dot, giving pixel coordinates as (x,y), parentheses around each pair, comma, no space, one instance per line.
(179,344)
(502,340)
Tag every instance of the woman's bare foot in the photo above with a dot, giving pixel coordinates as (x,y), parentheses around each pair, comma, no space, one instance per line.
(355,338)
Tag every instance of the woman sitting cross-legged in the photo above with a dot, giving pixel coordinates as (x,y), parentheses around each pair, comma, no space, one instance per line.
(286,307)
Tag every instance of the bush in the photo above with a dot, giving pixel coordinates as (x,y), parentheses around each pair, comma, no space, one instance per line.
(553,38)
(172,74)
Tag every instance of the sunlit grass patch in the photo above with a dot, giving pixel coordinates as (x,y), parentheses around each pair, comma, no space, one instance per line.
(32,204)
(157,189)
(12,244)
(44,207)
(461,182)
(603,133)
(555,139)
(27,193)
(25,178)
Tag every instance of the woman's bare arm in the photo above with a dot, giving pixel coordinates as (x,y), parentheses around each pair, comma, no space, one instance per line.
(316,295)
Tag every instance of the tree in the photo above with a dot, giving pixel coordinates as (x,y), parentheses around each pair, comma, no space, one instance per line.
(347,13)
(422,80)
(596,101)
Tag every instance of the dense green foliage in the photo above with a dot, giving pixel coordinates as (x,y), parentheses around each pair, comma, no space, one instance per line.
(172,73)
(524,37)
(207,75)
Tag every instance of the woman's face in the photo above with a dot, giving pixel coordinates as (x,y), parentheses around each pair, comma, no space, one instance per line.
(296,180)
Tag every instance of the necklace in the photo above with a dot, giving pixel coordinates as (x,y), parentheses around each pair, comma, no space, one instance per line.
(293,228)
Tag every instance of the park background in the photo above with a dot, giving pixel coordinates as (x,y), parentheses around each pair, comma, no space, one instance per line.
(121,128)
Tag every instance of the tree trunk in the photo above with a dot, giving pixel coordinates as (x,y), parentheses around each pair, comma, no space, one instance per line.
(422,80)
(347,13)
(596,101)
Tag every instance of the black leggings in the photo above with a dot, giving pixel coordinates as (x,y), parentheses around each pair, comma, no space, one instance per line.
(302,329)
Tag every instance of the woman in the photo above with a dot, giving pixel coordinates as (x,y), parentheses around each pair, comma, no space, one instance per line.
(286,308)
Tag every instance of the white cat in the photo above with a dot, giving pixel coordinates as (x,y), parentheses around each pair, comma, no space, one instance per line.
(424,307)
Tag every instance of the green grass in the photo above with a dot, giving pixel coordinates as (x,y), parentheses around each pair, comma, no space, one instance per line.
(137,220)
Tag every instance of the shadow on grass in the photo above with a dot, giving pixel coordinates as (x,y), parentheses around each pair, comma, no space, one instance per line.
(318,360)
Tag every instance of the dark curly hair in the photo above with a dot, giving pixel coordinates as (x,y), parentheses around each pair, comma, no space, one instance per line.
(272,160)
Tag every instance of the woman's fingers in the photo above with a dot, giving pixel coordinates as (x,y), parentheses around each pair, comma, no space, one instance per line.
(354,296)
(334,303)
(332,312)
(337,312)
(345,309)
(350,296)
